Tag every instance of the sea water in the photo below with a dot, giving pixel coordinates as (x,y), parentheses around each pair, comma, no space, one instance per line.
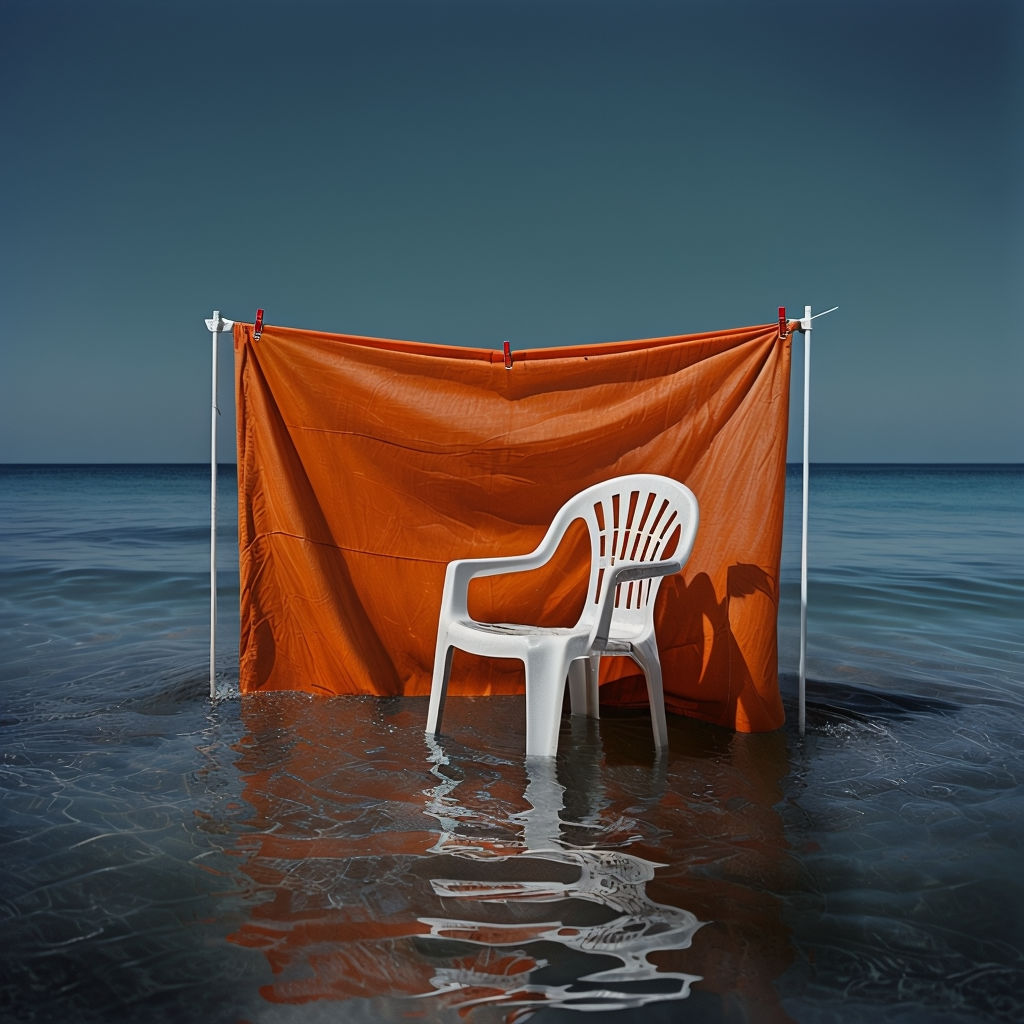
(287,858)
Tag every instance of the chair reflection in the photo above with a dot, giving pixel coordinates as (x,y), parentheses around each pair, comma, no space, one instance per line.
(557,922)
(373,870)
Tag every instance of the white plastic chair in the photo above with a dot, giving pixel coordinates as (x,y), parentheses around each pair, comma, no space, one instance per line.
(642,528)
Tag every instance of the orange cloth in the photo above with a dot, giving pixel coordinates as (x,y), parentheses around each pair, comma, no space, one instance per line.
(366,465)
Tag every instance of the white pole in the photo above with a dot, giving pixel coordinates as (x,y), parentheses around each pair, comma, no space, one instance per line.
(214,411)
(215,326)
(805,326)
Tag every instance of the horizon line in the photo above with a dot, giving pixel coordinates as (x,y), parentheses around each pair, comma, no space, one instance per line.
(797,462)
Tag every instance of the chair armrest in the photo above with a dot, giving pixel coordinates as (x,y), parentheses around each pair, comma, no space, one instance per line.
(624,572)
(461,572)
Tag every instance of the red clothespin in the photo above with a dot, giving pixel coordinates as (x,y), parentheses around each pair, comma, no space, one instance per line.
(783,323)
(508,355)
(258,326)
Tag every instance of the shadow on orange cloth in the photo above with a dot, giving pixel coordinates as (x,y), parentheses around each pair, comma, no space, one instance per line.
(366,465)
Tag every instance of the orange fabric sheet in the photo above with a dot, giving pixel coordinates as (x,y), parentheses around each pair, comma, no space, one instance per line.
(366,465)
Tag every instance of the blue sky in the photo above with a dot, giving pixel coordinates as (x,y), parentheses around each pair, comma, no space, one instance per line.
(556,172)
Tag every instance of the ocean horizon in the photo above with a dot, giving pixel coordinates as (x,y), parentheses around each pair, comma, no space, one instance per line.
(789,463)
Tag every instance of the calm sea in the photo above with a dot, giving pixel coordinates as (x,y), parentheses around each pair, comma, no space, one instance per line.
(288,858)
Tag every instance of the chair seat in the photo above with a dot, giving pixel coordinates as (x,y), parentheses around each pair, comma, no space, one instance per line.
(516,629)
(611,646)
(615,645)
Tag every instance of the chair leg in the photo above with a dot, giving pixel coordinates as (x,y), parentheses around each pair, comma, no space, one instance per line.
(439,685)
(579,687)
(583,677)
(646,656)
(545,688)
(593,678)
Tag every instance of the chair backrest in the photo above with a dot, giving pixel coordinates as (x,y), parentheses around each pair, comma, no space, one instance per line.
(638,518)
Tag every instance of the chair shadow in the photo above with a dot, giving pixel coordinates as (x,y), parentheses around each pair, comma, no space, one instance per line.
(720,664)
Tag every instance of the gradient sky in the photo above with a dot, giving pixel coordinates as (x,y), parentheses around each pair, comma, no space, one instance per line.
(554,172)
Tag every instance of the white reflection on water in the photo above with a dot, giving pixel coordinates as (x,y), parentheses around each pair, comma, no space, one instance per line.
(611,952)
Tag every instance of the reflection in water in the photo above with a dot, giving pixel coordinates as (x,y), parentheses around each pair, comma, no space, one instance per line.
(459,883)
(608,883)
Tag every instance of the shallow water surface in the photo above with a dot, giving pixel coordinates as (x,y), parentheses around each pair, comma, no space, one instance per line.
(289,858)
